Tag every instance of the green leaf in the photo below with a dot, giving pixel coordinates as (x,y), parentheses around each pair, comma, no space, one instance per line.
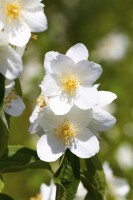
(4,136)
(1,183)
(2,89)
(67,177)
(5,197)
(18,87)
(18,158)
(93,179)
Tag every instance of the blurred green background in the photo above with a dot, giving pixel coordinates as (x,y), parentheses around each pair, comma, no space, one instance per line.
(106,28)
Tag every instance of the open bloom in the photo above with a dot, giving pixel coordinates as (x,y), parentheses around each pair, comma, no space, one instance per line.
(13,104)
(66,131)
(69,80)
(10,61)
(117,187)
(20,17)
(101,119)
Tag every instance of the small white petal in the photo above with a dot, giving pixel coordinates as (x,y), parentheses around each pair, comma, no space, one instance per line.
(50,148)
(59,106)
(88,97)
(10,63)
(102,120)
(17,107)
(78,52)
(48,58)
(50,85)
(105,98)
(31,4)
(20,50)
(86,144)
(88,72)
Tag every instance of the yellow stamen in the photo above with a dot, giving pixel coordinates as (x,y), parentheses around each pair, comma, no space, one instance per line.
(11,96)
(67,132)
(13,10)
(70,84)
(38,197)
(41,102)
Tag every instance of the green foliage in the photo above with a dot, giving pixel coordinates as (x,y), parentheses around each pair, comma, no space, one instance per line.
(93,179)
(4,136)
(1,183)
(5,197)
(2,88)
(67,177)
(18,87)
(18,158)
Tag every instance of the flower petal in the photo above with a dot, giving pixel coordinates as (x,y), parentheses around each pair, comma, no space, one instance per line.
(59,106)
(86,145)
(78,52)
(50,148)
(106,98)
(17,107)
(48,58)
(88,97)
(36,20)
(9,85)
(102,120)
(80,117)
(10,63)
(18,30)
(88,72)
(50,85)
(62,65)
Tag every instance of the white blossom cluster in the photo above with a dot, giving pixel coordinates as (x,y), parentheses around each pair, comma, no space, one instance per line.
(70,110)
(18,18)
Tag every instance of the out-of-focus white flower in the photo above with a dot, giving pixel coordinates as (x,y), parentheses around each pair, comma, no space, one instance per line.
(112,47)
(21,17)
(49,192)
(66,131)
(10,61)
(46,192)
(13,104)
(69,80)
(117,187)
(124,156)
(81,192)
(101,119)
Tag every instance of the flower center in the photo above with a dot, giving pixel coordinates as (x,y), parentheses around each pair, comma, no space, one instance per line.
(70,84)
(67,132)
(41,102)
(13,10)
(11,96)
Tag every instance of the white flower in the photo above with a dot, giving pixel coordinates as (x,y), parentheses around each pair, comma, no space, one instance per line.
(13,104)
(117,187)
(46,192)
(10,61)
(101,119)
(69,80)
(21,17)
(66,131)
